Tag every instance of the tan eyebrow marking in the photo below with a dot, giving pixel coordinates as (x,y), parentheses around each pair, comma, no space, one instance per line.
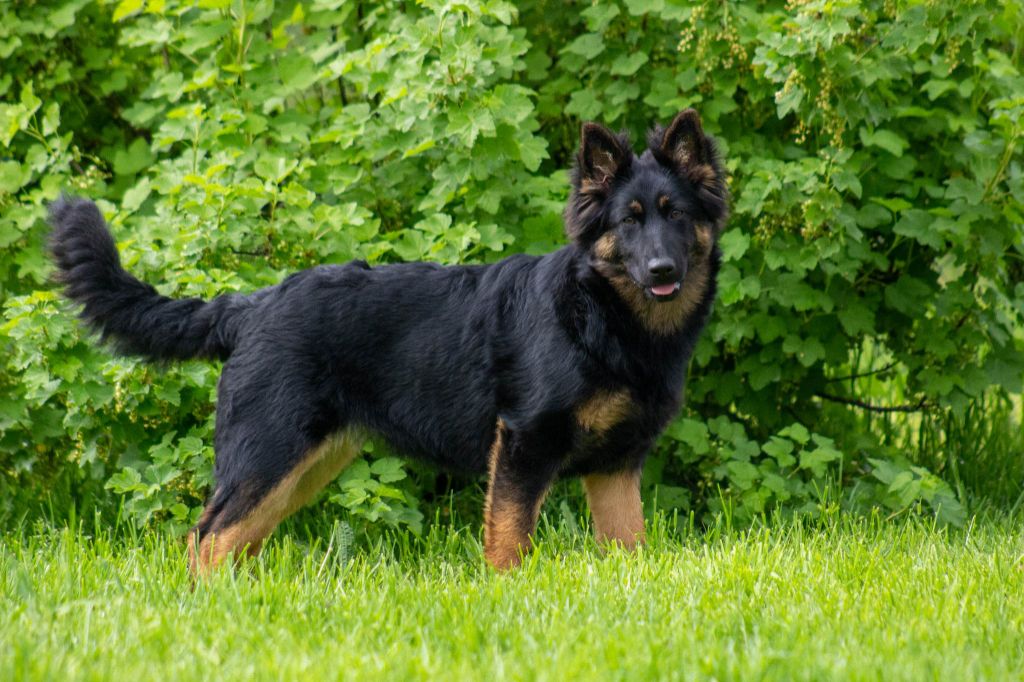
(636,206)
(662,201)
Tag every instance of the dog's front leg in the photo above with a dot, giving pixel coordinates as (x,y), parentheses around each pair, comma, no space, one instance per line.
(518,482)
(616,507)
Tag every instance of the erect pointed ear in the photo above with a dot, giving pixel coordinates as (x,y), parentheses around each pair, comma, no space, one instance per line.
(684,141)
(693,155)
(603,155)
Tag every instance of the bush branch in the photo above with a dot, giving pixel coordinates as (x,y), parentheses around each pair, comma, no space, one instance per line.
(862,374)
(921,406)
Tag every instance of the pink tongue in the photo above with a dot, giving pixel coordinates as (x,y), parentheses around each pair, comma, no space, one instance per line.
(663,289)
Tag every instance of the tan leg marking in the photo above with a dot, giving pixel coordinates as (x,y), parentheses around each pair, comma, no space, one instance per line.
(508,523)
(616,507)
(316,470)
(604,410)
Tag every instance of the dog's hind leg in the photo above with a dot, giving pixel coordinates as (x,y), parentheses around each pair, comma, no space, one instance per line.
(615,506)
(241,514)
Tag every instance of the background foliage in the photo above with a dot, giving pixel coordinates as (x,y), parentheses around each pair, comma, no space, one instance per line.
(866,347)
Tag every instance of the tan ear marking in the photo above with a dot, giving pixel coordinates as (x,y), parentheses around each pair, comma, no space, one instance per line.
(606,247)
(703,237)
(701,174)
(604,165)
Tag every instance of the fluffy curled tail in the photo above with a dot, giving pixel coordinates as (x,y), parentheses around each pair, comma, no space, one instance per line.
(127,312)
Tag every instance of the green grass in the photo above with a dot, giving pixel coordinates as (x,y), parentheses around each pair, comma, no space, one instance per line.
(850,599)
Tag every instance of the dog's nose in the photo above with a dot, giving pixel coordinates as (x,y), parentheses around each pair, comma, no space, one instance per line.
(662,268)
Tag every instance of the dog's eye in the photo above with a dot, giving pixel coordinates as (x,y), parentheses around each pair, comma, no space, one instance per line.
(629,220)
(676,214)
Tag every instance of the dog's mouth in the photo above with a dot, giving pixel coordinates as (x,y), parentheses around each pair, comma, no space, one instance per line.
(664,292)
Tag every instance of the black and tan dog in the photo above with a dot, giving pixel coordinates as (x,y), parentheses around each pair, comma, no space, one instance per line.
(528,369)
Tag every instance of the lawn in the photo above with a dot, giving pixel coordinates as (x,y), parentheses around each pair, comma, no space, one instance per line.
(846,599)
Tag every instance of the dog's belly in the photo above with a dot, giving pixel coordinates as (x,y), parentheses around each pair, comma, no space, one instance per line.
(454,435)
(426,391)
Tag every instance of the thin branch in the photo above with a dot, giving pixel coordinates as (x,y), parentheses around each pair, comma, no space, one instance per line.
(921,406)
(863,374)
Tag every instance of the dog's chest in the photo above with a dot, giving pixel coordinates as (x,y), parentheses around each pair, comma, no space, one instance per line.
(603,411)
(615,427)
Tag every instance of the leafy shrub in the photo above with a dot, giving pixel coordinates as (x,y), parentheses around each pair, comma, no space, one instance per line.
(873,266)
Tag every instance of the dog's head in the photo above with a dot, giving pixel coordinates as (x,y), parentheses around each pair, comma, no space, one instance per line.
(647,220)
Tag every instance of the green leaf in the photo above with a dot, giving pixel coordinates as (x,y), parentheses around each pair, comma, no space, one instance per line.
(817,460)
(936,87)
(788,99)
(512,103)
(907,295)
(735,288)
(847,181)
(435,224)
(628,64)
(742,474)
(692,433)
(962,188)
(599,15)
(781,449)
(857,319)
(884,139)
(127,7)
(588,45)
(640,7)
(469,121)
(10,122)
(12,177)
(388,470)
(808,351)
(797,432)
(532,151)
(274,168)
(297,72)
(493,237)
(894,204)
(584,103)
(734,244)
(918,225)
(133,159)
(134,197)
(125,481)
(420,148)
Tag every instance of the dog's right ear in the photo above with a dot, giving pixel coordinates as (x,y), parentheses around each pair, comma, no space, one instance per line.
(602,156)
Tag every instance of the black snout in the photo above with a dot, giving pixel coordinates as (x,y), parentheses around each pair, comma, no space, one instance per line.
(663,269)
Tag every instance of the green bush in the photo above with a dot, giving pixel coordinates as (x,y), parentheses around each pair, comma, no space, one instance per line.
(872,290)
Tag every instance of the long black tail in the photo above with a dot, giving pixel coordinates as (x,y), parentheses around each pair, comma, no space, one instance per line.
(129,313)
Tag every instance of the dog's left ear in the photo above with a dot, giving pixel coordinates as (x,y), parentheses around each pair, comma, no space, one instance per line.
(684,140)
(694,155)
